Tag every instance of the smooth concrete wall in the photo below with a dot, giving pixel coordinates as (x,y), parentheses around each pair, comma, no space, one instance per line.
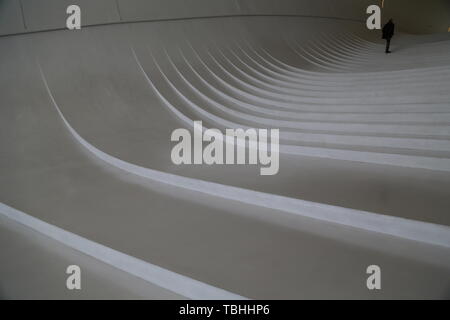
(286,7)
(18,16)
(11,17)
(347,9)
(139,10)
(430,16)
(51,14)
(351,9)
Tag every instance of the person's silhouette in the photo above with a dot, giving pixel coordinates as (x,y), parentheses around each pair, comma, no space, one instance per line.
(388,33)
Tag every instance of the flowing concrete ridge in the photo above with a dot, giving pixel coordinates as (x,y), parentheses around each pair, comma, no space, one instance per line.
(419,231)
(364,152)
(166,279)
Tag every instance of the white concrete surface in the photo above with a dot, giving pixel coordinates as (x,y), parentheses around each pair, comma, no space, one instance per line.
(364,166)
(51,14)
(19,16)
(41,266)
(11,19)
(432,16)
(153,274)
(139,10)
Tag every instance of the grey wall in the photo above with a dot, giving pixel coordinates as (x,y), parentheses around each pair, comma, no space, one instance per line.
(426,16)
(17,16)
(136,10)
(11,17)
(51,14)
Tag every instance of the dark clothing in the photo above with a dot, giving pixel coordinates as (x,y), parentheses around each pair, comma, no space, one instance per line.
(388,33)
(388,44)
(388,30)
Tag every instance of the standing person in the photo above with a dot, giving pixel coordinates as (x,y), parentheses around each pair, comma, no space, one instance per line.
(388,33)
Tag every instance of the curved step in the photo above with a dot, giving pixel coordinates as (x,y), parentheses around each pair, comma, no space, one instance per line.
(400,227)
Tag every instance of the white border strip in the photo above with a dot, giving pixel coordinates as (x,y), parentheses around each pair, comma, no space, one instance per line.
(395,226)
(164,278)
